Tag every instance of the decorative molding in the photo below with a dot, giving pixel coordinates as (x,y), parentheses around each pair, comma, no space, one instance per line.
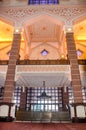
(82,68)
(42,68)
(3,69)
(66,14)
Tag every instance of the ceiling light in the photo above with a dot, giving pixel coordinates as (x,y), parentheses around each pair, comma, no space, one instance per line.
(62,56)
(69,29)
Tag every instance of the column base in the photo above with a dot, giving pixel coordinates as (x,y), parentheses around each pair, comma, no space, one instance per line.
(78,112)
(7,112)
(79,120)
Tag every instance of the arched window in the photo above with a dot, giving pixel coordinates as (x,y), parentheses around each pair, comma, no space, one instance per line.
(43,1)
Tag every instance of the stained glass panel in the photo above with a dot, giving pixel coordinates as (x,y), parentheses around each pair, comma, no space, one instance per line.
(43,1)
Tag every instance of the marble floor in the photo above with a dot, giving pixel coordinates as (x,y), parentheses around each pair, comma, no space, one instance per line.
(41,126)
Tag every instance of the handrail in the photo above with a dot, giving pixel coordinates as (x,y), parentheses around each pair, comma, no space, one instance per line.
(42,62)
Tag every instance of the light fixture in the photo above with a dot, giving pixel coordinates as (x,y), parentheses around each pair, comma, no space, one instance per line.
(62,56)
(17,30)
(43,94)
(69,29)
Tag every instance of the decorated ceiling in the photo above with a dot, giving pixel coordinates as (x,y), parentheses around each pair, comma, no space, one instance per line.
(42,33)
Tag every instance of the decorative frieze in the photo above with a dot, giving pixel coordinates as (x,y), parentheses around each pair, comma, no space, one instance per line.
(64,13)
(42,68)
(3,68)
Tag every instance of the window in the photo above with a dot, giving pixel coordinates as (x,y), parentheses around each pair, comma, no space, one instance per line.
(1,93)
(40,104)
(43,1)
(70,92)
(17,93)
(84,94)
(79,52)
(44,52)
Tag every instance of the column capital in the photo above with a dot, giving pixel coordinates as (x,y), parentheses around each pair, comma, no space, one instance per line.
(17,30)
(68,29)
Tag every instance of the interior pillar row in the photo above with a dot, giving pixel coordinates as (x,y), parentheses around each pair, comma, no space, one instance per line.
(23,98)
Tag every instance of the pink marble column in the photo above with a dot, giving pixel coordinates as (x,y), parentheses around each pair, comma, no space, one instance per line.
(10,76)
(75,74)
(23,99)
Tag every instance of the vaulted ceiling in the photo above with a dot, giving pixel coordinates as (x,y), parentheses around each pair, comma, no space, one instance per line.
(43,30)
(39,32)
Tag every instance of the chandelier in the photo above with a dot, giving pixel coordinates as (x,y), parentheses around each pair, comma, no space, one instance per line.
(43,94)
